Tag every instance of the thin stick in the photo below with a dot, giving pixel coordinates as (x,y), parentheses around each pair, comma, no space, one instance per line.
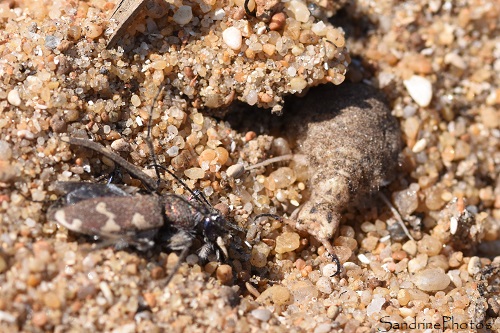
(396,215)
(270,161)
(148,182)
(124,13)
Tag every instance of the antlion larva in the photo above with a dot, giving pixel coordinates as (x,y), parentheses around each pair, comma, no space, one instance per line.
(351,143)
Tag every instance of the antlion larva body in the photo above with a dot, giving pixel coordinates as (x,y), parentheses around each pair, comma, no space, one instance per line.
(351,143)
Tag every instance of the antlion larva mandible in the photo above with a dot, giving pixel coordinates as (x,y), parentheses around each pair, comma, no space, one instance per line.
(351,143)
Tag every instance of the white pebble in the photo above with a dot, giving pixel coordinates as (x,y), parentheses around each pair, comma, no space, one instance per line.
(375,306)
(5,150)
(474,266)
(219,14)
(183,15)
(252,97)
(232,38)
(420,89)
(298,84)
(364,259)
(30,222)
(194,173)
(7,317)
(329,270)
(418,263)
(235,170)
(433,279)
(173,151)
(106,291)
(261,314)
(419,146)
(13,97)
(299,10)
(324,285)
(291,71)
(455,277)
(453,225)
(120,145)
(323,328)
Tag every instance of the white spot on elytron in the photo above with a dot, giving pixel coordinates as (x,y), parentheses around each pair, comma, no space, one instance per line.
(139,221)
(222,246)
(110,224)
(75,225)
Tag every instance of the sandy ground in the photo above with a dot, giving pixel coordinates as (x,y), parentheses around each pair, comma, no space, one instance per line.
(436,62)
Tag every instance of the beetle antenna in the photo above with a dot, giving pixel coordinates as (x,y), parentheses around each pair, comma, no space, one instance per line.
(180,261)
(196,194)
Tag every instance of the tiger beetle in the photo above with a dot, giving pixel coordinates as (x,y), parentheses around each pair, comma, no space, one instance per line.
(109,213)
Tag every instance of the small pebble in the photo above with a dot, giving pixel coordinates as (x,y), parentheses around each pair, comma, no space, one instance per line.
(260,252)
(276,294)
(456,259)
(433,279)
(194,173)
(135,100)
(183,15)
(324,285)
(235,170)
(399,255)
(277,21)
(57,123)
(298,84)
(429,245)
(51,42)
(369,243)
(419,146)
(323,328)
(404,297)
(150,299)
(192,259)
(455,278)
(232,37)
(261,314)
(120,145)
(7,171)
(346,241)
(332,312)
(420,89)
(224,274)
(211,266)
(299,10)
(417,263)
(410,247)
(474,266)
(157,273)
(5,151)
(93,30)
(52,300)
(304,291)
(287,242)
(329,270)
(406,201)
(13,97)
(375,305)
(363,259)
(39,318)
(490,117)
